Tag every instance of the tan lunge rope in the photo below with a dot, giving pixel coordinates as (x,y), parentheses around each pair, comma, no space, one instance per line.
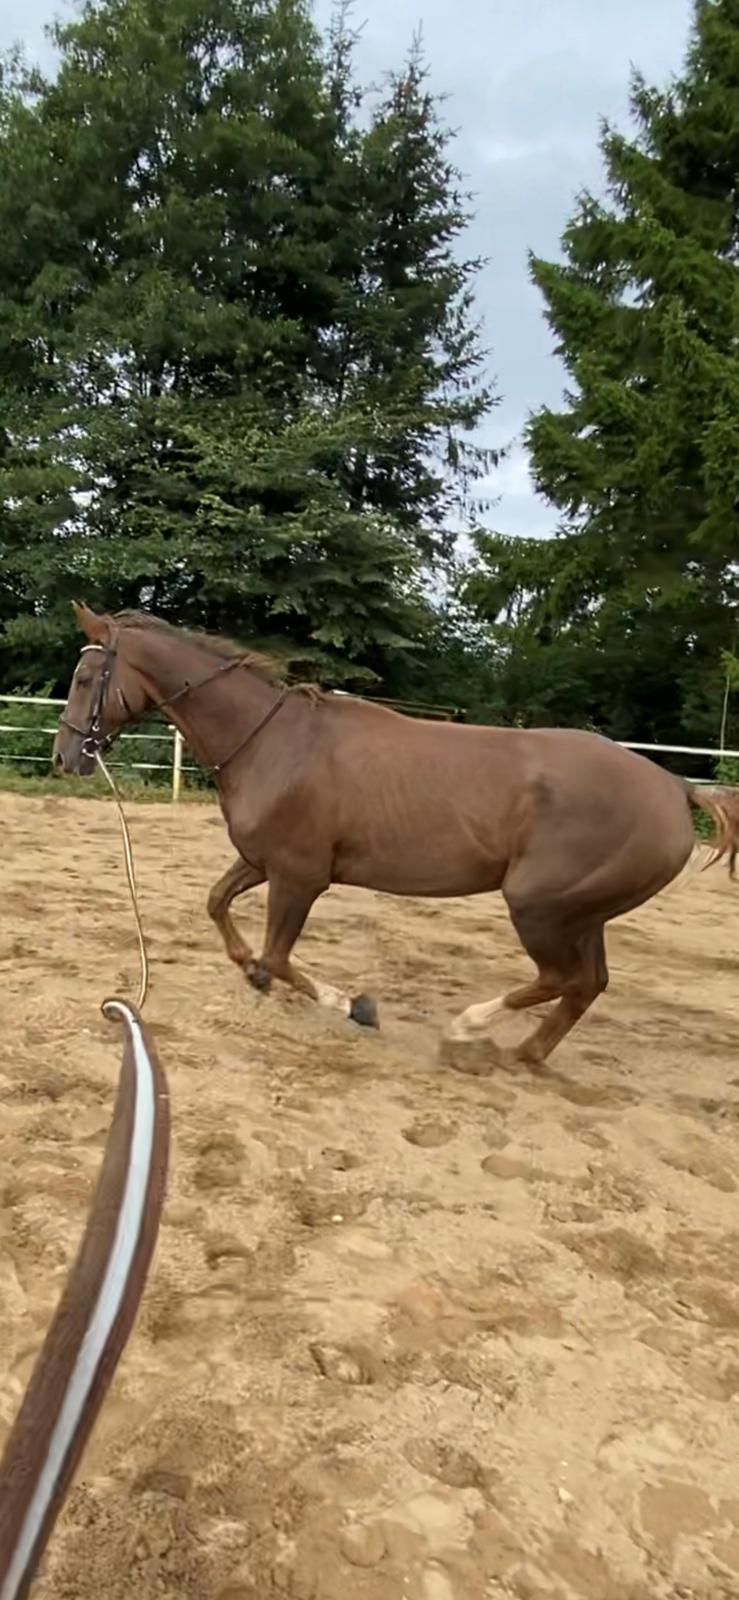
(131,876)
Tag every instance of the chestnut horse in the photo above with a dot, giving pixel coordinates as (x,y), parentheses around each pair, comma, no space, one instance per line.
(318,789)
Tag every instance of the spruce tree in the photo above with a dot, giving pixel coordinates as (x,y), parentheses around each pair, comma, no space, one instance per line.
(622,620)
(233,337)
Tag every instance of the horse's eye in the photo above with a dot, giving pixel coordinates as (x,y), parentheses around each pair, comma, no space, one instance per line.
(84,683)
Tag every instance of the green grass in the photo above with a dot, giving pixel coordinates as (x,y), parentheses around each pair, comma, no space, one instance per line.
(131,787)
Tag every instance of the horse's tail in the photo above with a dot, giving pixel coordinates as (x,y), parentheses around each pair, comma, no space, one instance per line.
(722,806)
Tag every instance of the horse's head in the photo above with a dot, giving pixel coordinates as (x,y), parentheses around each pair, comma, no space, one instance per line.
(105,694)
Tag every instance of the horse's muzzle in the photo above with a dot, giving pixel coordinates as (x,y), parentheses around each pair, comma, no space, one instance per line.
(72,758)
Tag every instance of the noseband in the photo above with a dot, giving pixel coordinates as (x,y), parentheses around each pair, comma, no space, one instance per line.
(93,745)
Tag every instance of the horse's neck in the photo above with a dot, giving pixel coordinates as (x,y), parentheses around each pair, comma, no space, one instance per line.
(203,695)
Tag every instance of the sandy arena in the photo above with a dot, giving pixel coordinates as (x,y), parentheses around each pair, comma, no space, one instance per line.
(409,1335)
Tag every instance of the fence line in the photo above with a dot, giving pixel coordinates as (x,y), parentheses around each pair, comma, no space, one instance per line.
(177,768)
(17,727)
(681,750)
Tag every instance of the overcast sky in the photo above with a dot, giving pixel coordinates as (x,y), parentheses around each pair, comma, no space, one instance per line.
(527,81)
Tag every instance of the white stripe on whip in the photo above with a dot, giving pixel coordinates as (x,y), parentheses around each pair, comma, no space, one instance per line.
(112,1292)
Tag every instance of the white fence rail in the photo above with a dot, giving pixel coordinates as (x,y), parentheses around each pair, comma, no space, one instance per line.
(175,766)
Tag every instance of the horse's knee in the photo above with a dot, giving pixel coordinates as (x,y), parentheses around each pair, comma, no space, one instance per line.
(214,904)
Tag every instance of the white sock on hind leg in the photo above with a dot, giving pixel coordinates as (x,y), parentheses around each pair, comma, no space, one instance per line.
(476,1019)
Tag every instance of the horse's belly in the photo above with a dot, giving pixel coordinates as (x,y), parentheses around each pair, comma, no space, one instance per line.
(431,872)
(435,835)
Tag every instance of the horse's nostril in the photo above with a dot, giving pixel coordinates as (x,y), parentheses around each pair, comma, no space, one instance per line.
(58,761)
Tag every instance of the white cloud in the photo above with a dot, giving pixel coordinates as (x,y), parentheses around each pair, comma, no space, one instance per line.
(520,510)
(498,152)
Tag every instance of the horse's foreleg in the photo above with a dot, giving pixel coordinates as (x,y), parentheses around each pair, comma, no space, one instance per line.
(240,877)
(288,907)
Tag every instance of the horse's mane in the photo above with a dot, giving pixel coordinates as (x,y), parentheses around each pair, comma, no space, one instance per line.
(211,643)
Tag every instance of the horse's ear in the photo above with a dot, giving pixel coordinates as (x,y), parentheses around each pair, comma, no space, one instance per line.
(95,628)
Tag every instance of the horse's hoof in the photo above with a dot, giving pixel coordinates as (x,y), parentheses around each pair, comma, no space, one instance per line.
(363,1010)
(260,977)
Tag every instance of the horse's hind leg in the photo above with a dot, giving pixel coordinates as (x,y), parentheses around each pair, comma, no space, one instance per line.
(583,975)
(288,907)
(572,969)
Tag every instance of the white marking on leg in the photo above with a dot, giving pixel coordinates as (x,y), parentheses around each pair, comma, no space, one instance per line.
(333,999)
(474,1020)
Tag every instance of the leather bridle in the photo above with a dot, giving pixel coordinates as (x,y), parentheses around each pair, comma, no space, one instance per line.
(93,745)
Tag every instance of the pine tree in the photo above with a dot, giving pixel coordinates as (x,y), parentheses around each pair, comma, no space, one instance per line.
(405,348)
(623,619)
(223,373)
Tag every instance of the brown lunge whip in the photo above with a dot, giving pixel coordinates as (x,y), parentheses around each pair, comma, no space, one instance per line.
(95,1315)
